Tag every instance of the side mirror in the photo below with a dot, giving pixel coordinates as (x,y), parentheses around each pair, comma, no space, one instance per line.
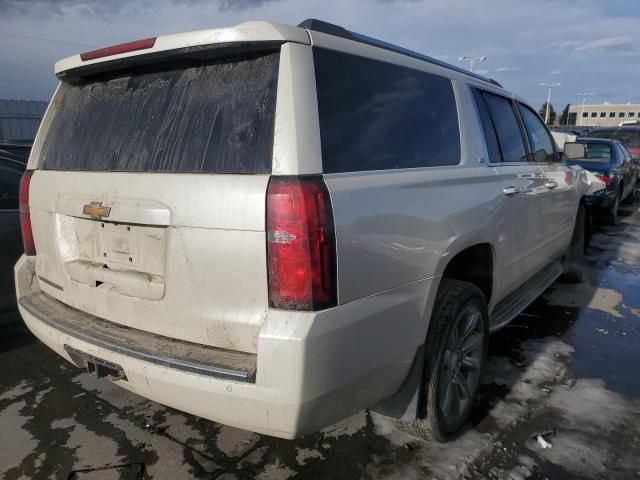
(573,150)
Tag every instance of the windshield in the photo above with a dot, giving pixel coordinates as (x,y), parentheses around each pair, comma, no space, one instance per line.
(201,116)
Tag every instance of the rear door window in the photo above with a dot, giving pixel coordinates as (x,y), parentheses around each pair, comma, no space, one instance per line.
(539,138)
(378,116)
(506,127)
(490,136)
(196,116)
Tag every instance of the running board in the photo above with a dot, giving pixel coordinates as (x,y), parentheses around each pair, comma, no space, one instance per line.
(509,308)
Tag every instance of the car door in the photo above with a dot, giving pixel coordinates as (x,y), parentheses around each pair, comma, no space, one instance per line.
(522,185)
(10,236)
(558,206)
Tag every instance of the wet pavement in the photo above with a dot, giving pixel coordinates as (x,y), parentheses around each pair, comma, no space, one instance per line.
(566,370)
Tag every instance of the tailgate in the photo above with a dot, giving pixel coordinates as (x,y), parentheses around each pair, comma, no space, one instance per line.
(148,203)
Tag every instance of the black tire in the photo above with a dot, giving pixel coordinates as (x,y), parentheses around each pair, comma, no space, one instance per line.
(631,198)
(610,217)
(573,270)
(588,228)
(454,299)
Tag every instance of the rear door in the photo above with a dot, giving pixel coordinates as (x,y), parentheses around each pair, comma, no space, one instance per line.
(148,203)
(559,195)
(522,186)
(10,238)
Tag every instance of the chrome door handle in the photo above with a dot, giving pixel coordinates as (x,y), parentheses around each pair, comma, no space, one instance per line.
(511,190)
(550,184)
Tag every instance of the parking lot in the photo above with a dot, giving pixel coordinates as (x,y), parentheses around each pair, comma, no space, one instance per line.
(565,370)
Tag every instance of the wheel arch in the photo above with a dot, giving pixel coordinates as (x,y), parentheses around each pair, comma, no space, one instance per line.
(474,264)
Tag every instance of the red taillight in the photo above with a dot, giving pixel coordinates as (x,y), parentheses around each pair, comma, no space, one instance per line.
(25,216)
(116,49)
(301,245)
(605,179)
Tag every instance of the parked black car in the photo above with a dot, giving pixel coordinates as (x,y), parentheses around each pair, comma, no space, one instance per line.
(612,163)
(13,161)
(628,135)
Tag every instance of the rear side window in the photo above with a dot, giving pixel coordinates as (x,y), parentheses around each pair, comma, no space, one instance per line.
(199,116)
(506,127)
(379,116)
(539,138)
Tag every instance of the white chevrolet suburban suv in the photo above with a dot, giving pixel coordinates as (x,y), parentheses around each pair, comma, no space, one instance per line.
(274,227)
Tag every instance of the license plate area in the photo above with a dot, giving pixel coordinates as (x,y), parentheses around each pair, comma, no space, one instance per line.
(95,366)
(118,243)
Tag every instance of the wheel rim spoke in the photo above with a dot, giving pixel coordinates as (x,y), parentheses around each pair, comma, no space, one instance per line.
(461,363)
(469,325)
(471,362)
(472,343)
(461,382)
(447,399)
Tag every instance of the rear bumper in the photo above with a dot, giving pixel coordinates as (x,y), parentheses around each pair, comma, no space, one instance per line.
(602,199)
(312,368)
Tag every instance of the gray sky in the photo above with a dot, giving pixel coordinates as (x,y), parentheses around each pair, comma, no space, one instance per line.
(588,45)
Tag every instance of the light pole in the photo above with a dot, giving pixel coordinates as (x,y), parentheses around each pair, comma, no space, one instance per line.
(584,96)
(472,61)
(549,86)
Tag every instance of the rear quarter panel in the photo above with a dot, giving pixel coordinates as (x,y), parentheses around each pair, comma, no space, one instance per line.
(399,227)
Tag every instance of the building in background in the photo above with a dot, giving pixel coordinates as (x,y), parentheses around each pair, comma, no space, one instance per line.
(20,119)
(603,114)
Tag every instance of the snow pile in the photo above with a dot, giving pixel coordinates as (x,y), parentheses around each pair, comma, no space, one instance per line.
(543,360)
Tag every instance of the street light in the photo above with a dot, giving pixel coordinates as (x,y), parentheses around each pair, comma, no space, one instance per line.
(472,61)
(584,96)
(549,86)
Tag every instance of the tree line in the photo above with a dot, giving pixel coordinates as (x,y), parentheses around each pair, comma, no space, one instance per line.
(564,116)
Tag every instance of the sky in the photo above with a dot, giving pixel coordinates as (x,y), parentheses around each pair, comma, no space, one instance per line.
(586,45)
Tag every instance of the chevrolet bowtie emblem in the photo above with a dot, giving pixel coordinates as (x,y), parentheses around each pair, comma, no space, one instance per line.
(96,211)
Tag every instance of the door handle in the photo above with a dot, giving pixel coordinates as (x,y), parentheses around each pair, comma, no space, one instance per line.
(550,184)
(511,190)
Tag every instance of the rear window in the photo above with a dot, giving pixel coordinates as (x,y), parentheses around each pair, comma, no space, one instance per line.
(379,116)
(198,116)
(629,138)
(597,151)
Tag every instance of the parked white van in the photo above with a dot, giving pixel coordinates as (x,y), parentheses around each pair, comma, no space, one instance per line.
(274,227)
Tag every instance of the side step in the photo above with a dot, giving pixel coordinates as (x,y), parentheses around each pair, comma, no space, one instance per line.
(521,298)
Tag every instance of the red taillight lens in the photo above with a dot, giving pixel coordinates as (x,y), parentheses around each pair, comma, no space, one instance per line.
(25,215)
(117,49)
(605,179)
(301,245)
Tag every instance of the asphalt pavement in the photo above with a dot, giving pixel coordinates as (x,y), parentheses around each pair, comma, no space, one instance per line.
(560,400)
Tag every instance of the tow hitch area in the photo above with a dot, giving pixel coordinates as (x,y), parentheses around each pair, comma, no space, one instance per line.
(95,366)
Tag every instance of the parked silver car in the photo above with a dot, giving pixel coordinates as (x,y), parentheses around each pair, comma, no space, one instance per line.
(274,227)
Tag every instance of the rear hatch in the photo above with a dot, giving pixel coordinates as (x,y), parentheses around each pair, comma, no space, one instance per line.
(148,205)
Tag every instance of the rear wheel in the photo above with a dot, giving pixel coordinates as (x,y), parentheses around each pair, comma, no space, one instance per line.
(631,197)
(456,351)
(572,260)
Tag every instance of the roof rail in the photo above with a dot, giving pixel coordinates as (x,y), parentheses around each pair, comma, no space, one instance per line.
(338,31)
